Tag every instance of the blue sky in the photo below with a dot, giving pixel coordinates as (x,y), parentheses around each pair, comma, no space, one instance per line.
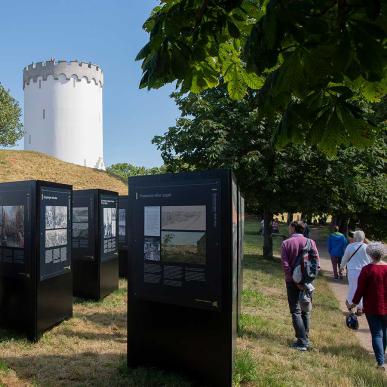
(108,33)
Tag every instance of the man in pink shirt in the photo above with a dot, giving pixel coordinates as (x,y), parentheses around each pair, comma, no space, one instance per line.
(290,249)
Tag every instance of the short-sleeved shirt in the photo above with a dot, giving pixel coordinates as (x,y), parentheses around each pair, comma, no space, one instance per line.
(290,249)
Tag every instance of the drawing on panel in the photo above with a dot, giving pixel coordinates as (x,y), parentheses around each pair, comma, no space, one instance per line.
(109,223)
(56,217)
(80,223)
(80,214)
(80,230)
(184,247)
(183,218)
(152,248)
(56,238)
(12,226)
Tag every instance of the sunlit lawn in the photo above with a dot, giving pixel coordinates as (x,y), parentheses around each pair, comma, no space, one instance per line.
(90,349)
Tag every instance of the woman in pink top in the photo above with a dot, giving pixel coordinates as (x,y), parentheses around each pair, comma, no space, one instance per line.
(372,287)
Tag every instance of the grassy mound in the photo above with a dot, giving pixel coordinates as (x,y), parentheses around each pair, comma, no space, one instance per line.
(25,165)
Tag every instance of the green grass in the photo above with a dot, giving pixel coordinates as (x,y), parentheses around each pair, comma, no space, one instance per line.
(254,242)
(336,358)
(90,348)
(245,368)
(151,377)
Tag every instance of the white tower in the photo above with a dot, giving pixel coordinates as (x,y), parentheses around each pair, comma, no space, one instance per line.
(63,111)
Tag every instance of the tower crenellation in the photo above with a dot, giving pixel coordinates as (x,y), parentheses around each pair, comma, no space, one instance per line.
(69,69)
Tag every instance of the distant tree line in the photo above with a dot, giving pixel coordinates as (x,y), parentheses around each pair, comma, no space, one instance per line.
(124,170)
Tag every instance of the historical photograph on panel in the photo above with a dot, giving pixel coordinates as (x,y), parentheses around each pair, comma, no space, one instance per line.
(183,247)
(80,214)
(80,230)
(109,223)
(114,222)
(152,249)
(56,238)
(12,226)
(152,221)
(189,218)
(56,217)
(121,222)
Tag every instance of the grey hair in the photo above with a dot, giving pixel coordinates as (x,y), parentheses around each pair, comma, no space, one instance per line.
(358,236)
(376,251)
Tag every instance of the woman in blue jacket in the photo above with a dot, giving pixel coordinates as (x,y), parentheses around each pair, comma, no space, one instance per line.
(337,242)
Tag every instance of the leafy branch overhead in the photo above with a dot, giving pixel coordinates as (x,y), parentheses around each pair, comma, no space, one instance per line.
(313,61)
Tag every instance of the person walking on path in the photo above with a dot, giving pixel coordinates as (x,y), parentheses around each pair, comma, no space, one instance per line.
(337,243)
(290,250)
(306,232)
(355,258)
(372,287)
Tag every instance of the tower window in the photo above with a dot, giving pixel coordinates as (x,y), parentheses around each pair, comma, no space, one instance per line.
(44,114)
(40,83)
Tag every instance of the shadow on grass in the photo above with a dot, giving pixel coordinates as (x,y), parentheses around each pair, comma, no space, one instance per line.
(252,232)
(114,336)
(12,335)
(90,369)
(345,351)
(106,319)
(264,334)
(267,266)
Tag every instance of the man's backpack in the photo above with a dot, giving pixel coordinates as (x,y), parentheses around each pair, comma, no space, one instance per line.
(306,265)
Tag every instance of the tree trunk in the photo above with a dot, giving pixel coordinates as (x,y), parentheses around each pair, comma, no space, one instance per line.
(267,234)
(290,218)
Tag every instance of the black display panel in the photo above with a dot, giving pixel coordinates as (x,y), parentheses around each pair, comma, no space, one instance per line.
(122,225)
(122,222)
(183,287)
(241,234)
(123,236)
(178,234)
(55,226)
(15,210)
(109,224)
(35,272)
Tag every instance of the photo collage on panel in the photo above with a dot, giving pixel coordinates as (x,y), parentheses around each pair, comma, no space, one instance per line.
(12,234)
(56,234)
(80,227)
(175,234)
(109,230)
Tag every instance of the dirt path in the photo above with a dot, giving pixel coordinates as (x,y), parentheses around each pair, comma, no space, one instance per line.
(339,288)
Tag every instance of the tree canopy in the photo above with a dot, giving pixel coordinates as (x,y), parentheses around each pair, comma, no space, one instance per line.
(11,129)
(214,131)
(313,61)
(124,170)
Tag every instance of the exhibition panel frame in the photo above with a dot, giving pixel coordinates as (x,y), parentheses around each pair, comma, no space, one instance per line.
(184,282)
(123,236)
(35,255)
(95,243)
